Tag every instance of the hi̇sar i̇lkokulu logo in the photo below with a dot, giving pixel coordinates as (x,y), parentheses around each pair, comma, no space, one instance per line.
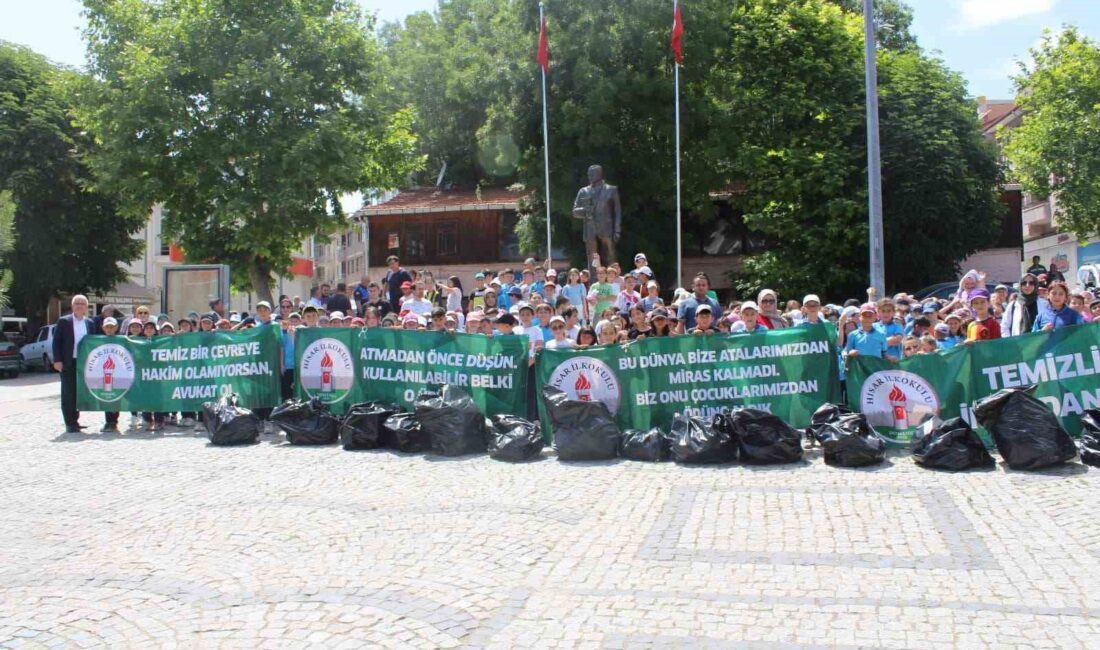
(327,370)
(897,400)
(109,372)
(588,380)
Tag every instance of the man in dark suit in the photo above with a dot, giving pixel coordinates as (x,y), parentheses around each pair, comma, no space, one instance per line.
(67,333)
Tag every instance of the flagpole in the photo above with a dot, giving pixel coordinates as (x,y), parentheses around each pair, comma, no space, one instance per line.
(679,249)
(546,152)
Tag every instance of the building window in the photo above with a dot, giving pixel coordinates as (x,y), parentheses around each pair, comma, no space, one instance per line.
(415,243)
(446,239)
(165,247)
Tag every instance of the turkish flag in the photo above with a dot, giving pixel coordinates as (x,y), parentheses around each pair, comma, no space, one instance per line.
(544,49)
(678,36)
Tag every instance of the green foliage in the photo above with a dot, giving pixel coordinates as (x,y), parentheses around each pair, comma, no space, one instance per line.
(893,18)
(70,238)
(940,202)
(245,119)
(1057,148)
(790,86)
(7,243)
(771,96)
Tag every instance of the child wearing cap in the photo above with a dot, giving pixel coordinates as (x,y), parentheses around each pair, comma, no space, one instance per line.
(560,340)
(985,326)
(110,418)
(892,331)
(704,320)
(867,340)
(652,298)
(811,311)
(748,322)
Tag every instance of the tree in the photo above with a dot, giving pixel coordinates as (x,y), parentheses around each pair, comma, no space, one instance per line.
(772,97)
(1056,151)
(245,120)
(893,18)
(939,193)
(70,238)
(7,242)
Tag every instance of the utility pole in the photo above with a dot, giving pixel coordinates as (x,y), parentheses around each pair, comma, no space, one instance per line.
(874,157)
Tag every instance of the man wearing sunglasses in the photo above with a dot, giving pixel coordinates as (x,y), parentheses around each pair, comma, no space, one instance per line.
(1023,308)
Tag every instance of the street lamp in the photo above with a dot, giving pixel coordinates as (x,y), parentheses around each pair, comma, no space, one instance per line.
(874,157)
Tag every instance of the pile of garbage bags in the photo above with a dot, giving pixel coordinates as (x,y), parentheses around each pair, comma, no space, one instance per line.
(402,432)
(362,426)
(452,421)
(1088,445)
(763,438)
(229,424)
(1027,433)
(583,430)
(649,445)
(511,438)
(847,440)
(699,440)
(306,422)
(952,445)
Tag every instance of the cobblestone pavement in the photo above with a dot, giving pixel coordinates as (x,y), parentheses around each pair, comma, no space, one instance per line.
(163,541)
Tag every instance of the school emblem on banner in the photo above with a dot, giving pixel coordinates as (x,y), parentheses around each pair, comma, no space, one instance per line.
(327,370)
(898,400)
(589,380)
(109,372)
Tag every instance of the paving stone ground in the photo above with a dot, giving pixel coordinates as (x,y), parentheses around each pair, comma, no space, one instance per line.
(164,541)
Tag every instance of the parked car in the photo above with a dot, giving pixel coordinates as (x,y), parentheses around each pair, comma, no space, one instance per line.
(15,329)
(945,290)
(11,363)
(39,353)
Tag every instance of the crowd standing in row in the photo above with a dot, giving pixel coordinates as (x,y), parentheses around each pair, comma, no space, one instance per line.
(578,308)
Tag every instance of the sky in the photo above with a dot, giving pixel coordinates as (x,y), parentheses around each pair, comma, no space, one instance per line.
(979,38)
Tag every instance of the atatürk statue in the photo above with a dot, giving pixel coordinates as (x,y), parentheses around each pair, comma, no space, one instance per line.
(598,204)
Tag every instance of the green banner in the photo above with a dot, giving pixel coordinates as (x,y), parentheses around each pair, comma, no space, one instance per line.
(346,366)
(178,373)
(788,372)
(896,397)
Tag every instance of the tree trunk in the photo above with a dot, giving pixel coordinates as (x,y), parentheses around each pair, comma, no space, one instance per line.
(259,272)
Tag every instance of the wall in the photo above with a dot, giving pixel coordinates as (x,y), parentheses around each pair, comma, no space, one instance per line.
(999,264)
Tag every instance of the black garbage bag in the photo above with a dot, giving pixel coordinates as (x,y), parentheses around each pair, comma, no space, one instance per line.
(650,446)
(1088,445)
(582,430)
(402,432)
(452,421)
(361,427)
(697,440)
(825,414)
(229,424)
(849,441)
(1027,433)
(306,422)
(514,439)
(950,445)
(764,438)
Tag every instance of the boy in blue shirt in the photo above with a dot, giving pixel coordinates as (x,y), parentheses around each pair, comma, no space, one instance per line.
(890,329)
(867,340)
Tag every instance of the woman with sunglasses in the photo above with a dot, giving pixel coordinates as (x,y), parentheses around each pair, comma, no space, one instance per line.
(1021,312)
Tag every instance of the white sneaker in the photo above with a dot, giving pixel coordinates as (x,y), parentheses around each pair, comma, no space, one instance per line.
(135,421)
(187,423)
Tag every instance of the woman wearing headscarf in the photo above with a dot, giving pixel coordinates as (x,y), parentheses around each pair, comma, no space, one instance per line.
(971,281)
(769,315)
(1022,311)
